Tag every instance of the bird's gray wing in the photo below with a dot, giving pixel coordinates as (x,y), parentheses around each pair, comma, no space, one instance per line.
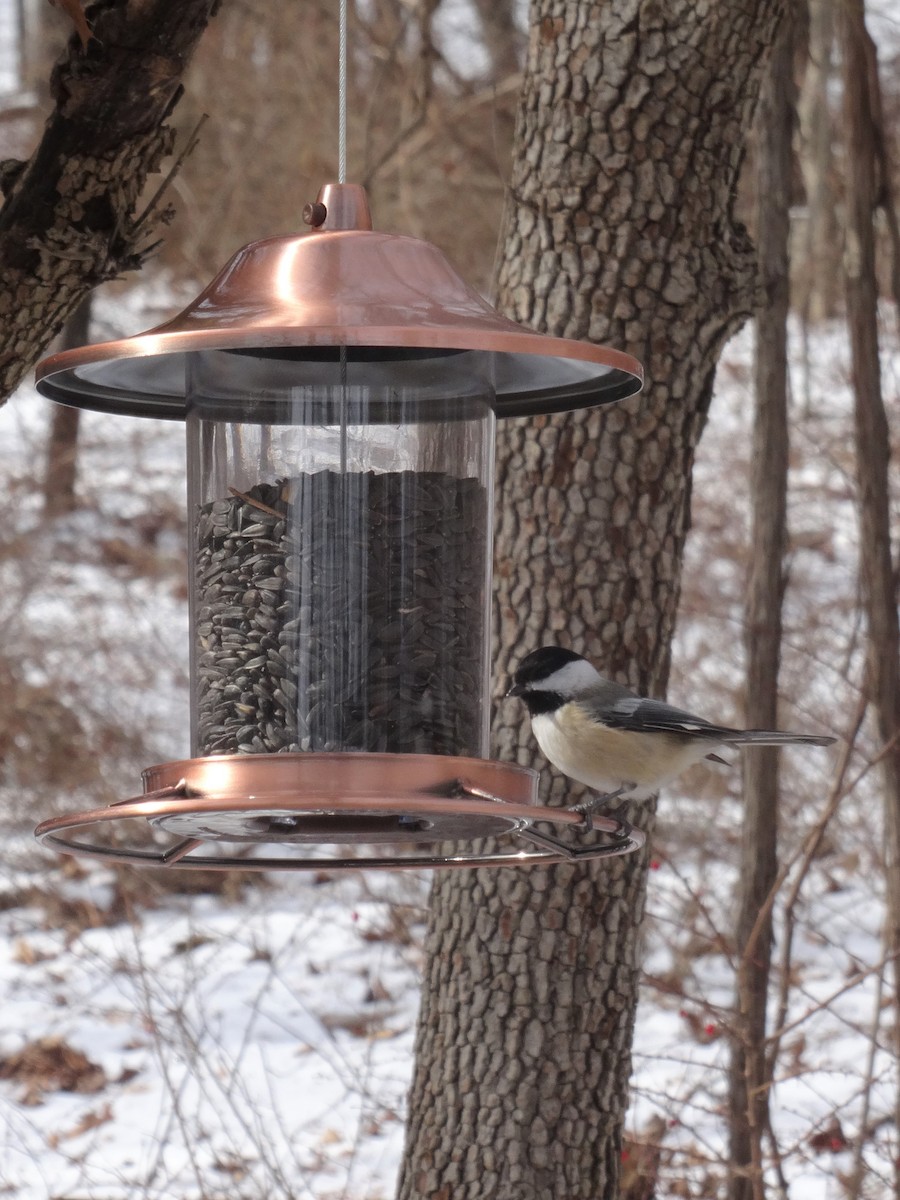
(639,715)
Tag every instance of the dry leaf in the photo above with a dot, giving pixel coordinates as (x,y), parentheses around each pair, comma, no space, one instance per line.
(79,20)
(89,1121)
(830,1139)
(51,1065)
(191,943)
(25,953)
(377,992)
(639,1171)
(233,1165)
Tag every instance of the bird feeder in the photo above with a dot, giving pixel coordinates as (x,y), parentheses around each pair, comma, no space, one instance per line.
(339,391)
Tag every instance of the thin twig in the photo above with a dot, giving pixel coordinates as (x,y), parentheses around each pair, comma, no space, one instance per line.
(717,936)
(854,1189)
(854,981)
(414,139)
(777,1156)
(394,146)
(809,851)
(189,148)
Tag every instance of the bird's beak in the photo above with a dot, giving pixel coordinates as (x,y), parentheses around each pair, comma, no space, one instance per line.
(515,689)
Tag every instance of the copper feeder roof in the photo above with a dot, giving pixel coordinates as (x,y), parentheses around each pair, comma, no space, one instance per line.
(340,285)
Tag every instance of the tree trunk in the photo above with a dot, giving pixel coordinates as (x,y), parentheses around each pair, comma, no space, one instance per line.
(69,220)
(748,1084)
(819,283)
(502,38)
(864,189)
(62,448)
(629,142)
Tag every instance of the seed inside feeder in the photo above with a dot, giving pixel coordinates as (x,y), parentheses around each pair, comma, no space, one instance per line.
(342,611)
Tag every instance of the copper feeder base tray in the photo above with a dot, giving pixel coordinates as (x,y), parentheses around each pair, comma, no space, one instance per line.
(404,802)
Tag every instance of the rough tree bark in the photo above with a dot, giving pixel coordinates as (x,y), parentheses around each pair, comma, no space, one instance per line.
(864,192)
(748,1085)
(69,221)
(620,229)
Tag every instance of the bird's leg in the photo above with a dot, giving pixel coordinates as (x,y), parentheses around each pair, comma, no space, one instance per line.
(624,838)
(590,807)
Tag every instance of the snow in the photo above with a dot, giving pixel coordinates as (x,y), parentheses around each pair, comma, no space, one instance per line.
(255,1046)
(259,1043)
(247,1049)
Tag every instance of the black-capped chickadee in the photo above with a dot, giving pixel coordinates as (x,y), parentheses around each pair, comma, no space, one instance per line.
(602,735)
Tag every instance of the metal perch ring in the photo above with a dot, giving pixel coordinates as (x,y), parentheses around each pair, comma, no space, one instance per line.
(358,800)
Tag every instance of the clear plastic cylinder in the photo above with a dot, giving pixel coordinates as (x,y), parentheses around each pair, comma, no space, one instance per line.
(340,518)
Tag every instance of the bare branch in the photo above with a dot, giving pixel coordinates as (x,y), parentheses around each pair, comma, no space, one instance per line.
(69,220)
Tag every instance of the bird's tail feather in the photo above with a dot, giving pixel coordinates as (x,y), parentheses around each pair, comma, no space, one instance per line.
(775,737)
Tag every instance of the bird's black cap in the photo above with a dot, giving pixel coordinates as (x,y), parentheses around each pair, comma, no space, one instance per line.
(538,665)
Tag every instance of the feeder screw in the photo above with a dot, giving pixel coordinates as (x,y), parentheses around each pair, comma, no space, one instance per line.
(315,214)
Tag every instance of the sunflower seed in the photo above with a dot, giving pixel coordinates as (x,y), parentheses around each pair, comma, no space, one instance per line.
(353,618)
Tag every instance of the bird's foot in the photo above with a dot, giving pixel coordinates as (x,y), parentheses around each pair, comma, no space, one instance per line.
(590,808)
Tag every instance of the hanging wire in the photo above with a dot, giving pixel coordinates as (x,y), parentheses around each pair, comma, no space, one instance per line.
(342,178)
(342,92)
(349,502)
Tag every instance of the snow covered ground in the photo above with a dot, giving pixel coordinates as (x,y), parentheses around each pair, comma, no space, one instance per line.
(258,1048)
(258,1043)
